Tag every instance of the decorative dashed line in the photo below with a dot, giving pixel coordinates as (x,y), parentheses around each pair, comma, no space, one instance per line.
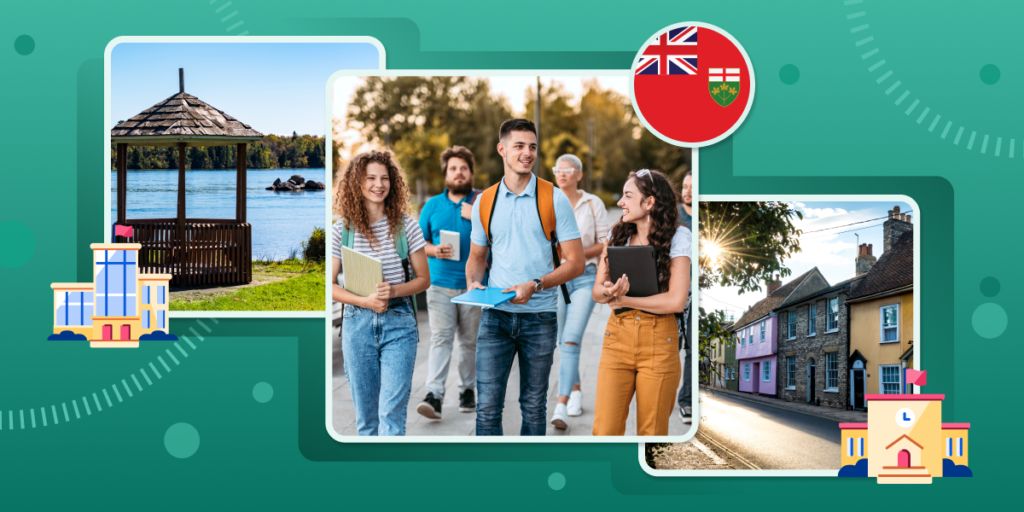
(53,414)
(879,66)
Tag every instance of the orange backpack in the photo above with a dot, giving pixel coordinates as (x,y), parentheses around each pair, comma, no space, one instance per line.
(546,212)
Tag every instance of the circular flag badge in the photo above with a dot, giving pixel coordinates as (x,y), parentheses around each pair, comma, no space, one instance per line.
(692,84)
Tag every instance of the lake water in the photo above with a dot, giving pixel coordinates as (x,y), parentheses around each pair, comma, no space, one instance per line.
(280,221)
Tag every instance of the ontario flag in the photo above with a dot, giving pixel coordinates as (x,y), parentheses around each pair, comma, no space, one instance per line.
(692,84)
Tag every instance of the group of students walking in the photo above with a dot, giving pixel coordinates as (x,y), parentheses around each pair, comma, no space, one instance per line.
(548,245)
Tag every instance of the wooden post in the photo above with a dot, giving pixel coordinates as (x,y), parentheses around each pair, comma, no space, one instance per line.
(122,185)
(241,185)
(181,242)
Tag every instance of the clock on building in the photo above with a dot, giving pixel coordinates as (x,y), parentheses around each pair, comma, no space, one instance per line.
(905,417)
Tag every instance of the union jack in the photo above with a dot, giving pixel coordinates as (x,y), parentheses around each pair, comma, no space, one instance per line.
(673,53)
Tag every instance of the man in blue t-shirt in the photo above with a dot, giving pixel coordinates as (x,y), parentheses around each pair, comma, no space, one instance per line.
(527,325)
(450,211)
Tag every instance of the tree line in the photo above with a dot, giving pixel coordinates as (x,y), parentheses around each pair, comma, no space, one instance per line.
(418,117)
(273,152)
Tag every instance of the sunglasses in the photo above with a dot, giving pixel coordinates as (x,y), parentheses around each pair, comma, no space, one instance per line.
(563,170)
(644,172)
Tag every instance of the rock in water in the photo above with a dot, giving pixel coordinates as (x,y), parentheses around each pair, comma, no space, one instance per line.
(296,179)
(313,185)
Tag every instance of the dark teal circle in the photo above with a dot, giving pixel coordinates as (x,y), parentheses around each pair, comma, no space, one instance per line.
(789,74)
(990,74)
(24,44)
(990,286)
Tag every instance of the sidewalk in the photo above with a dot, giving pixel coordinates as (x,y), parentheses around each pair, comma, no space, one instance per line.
(689,455)
(455,423)
(829,413)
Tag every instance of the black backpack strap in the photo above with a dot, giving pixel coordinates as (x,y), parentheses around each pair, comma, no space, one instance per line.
(554,248)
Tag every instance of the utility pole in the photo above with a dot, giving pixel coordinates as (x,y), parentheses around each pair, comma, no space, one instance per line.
(387,133)
(590,155)
(536,121)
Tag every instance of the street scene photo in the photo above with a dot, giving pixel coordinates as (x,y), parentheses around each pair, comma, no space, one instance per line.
(806,307)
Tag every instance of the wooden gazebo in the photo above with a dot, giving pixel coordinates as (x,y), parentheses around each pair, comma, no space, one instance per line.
(193,251)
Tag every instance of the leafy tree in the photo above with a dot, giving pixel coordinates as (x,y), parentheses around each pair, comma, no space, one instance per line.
(298,151)
(420,155)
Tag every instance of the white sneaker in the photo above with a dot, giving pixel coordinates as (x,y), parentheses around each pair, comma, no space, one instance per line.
(559,419)
(575,406)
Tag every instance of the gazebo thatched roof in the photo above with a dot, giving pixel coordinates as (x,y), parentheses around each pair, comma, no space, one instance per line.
(183,118)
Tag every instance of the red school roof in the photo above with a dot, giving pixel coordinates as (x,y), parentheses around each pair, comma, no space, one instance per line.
(853,426)
(956,426)
(926,398)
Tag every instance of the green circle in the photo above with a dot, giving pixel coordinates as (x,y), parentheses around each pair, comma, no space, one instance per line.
(789,74)
(989,320)
(990,74)
(181,440)
(24,44)
(990,287)
(262,392)
(556,481)
(19,244)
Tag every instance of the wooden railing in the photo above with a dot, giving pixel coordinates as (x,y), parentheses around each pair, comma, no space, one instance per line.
(205,252)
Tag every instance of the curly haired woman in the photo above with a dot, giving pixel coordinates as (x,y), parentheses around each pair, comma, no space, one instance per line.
(379,334)
(640,353)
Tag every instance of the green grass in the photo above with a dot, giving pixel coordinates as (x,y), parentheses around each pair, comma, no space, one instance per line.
(303,290)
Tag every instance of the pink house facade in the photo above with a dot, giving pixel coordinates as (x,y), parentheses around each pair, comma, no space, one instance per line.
(756,360)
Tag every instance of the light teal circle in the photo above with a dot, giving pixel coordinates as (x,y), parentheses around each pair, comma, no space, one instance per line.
(989,320)
(789,74)
(181,440)
(19,244)
(556,481)
(990,74)
(262,392)
(24,44)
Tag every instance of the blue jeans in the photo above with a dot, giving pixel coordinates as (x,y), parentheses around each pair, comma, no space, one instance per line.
(502,337)
(572,321)
(380,354)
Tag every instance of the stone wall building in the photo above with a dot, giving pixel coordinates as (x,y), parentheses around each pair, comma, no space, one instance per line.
(813,346)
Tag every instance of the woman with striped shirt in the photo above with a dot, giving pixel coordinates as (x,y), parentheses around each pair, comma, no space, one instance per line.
(379,334)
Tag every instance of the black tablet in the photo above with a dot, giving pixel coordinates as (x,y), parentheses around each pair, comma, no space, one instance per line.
(639,265)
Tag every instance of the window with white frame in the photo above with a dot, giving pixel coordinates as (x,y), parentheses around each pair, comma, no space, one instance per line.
(746,372)
(891,379)
(767,371)
(792,325)
(959,447)
(791,372)
(849,447)
(750,333)
(812,319)
(949,447)
(889,316)
(860,446)
(832,315)
(832,371)
(762,330)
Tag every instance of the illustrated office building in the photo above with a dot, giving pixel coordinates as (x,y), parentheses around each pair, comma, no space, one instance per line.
(119,306)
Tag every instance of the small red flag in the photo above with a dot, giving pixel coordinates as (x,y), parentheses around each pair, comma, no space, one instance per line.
(120,230)
(918,378)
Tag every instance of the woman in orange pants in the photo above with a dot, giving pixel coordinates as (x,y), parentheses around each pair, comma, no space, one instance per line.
(641,342)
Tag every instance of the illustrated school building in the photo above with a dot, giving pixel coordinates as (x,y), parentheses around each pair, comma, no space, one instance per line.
(119,306)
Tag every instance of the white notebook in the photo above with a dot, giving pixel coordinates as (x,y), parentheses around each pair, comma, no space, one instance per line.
(451,238)
(362,273)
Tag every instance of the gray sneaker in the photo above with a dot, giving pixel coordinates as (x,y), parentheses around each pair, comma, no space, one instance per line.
(685,414)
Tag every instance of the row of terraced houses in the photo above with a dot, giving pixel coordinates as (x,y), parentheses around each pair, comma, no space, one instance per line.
(830,344)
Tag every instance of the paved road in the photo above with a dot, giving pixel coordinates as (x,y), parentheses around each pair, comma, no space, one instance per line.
(752,435)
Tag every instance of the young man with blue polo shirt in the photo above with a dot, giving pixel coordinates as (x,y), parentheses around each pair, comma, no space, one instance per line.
(521,262)
(450,211)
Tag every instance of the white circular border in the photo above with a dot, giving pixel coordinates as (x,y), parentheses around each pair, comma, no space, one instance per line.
(746,110)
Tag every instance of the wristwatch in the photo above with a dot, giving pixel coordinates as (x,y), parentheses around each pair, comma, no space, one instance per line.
(538,286)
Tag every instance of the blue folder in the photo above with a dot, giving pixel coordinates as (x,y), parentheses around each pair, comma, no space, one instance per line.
(484,298)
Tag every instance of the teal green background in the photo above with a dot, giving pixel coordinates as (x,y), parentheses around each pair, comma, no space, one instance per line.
(834,131)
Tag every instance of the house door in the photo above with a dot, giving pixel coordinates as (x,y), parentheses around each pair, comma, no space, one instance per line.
(126,332)
(108,332)
(904,459)
(756,377)
(858,390)
(810,381)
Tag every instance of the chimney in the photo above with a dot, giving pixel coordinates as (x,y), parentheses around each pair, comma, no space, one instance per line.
(181,79)
(864,260)
(774,285)
(895,227)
